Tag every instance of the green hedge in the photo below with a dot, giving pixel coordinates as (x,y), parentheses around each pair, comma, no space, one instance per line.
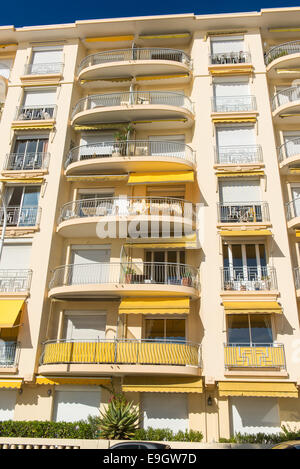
(165,434)
(262,438)
(40,429)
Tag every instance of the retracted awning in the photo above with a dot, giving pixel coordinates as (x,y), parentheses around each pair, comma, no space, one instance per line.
(223,174)
(154,306)
(9,311)
(22,181)
(161,384)
(98,177)
(61,380)
(257,389)
(184,242)
(230,233)
(161,177)
(252,307)
(10,383)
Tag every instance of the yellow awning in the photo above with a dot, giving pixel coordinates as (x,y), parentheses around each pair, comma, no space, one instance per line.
(222,120)
(243,233)
(161,77)
(22,181)
(129,37)
(239,174)
(257,389)
(9,311)
(10,383)
(165,36)
(161,384)
(32,126)
(252,307)
(100,126)
(101,177)
(58,380)
(154,306)
(188,241)
(161,177)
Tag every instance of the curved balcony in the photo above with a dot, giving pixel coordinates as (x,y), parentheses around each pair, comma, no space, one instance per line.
(157,108)
(82,217)
(257,278)
(125,279)
(254,356)
(131,155)
(293,213)
(289,153)
(133,62)
(286,104)
(238,155)
(281,57)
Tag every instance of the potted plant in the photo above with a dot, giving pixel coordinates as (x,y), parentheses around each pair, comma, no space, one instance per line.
(129,272)
(187,279)
(121,137)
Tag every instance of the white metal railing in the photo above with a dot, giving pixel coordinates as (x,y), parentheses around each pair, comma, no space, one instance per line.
(293,208)
(288,149)
(131,148)
(243,212)
(254,355)
(238,154)
(128,206)
(159,98)
(233,103)
(281,50)
(43,112)
(44,69)
(164,351)
(230,58)
(26,161)
(13,280)
(21,216)
(134,54)
(9,354)
(289,95)
(125,273)
(248,278)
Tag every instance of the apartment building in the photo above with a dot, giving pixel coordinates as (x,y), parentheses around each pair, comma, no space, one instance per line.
(150,185)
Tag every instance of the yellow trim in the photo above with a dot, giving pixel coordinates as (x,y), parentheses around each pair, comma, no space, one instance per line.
(99,126)
(104,177)
(286,70)
(225,33)
(223,174)
(161,177)
(32,126)
(162,77)
(2,46)
(10,383)
(129,37)
(283,30)
(154,306)
(297,233)
(252,307)
(271,389)
(9,311)
(233,119)
(159,120)
(231,71)
(165,36)
(161,384)
(245,233)
(73,380)
(185,241)
(23,181)
(294,170)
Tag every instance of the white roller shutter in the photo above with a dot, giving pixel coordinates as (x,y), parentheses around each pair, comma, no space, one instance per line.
(85,327)
(255,415)
(231,89)
(239,191)
(165,410)
(39,98)
(237,135)
(74,405)
(5,67)
(46,56)
(99,273)
(15,256)
(7,404)
(167,150)
(296,200)
(226,45)
(92,139)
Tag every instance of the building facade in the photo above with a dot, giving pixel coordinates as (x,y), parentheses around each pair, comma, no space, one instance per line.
(150,187)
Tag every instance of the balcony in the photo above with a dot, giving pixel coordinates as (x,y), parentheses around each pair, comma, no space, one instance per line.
(82,217)
(21,217)
(15,281)
(283,59)
(231,156)
(297,280)
(254,356)
(27,161)
(286,104)
(293,213)
(159,109)
(9,354)
(248,279)
(131,155)
(36,113)
(233,104)
(125,279)
(230,58)
(289,154)
(253,213)
(44,69)
(133,62)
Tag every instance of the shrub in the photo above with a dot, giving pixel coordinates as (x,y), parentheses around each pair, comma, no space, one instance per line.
(45,429)
(264,438)
(165,434)
(120,421)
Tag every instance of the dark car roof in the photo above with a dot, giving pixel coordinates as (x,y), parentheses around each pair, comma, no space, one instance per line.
(146,444)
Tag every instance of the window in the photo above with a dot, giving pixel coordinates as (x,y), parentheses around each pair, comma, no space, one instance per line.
(236,144)
(228,50)
(5,67)
(240,201)
(38,105)
(292,143)
(232,95)
(296,200)
(90,264)
(169,330)
(166,267)
(249,329)
(96,145)
(29,153)
(46,60)
(84,325)
(14,265)
(99,202)
(22,205)
(76,403)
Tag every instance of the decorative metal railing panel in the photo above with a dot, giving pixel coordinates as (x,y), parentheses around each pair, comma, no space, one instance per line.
(243,212)
(27,161)
(14,281)
(248,278)
(21,216)
(29,113)
(287,96)
(224,58)
(245,103)
(254,356)
(9,354)
(238,154)
(44,69)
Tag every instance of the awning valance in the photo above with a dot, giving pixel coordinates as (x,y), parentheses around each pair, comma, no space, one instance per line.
(161,177)
(10,383)
(22,181)
(154,306)
(9,311)
(252,307)
(161,384)
(229,233)
(257,389)
(188,241)
(98,177)
(233,174)
(77,380)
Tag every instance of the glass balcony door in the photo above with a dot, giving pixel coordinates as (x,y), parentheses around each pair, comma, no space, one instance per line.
(296,200)
(165,266)
(249,330)
(28,153)
(22,205)
(165,329)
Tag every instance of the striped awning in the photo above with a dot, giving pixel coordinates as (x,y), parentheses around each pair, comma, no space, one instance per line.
(257,389)
(10,383)
(252,307)
(77,380)
(154,305)
(162,384)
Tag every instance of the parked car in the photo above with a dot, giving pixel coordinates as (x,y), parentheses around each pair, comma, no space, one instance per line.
(294,444)
(140,445)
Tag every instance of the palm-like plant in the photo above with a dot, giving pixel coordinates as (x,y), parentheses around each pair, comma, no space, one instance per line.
(120,421)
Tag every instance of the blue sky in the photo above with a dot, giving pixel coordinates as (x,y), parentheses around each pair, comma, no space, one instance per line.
(36,12)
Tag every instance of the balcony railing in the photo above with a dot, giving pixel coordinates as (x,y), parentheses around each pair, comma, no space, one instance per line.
(293,209)
(44,69)
(248,278)
(243,212)
(281,50)
(224,58)
(238,154)
(131,148)
(29,113)
(159,98)
(297,277)
(254,356)
(21,216)
(289,149)
(141,273)
(289,95)
(124,55)
(14,281)
(233,103)
(9,354)
(26,161)
(121,351)
(118,206)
